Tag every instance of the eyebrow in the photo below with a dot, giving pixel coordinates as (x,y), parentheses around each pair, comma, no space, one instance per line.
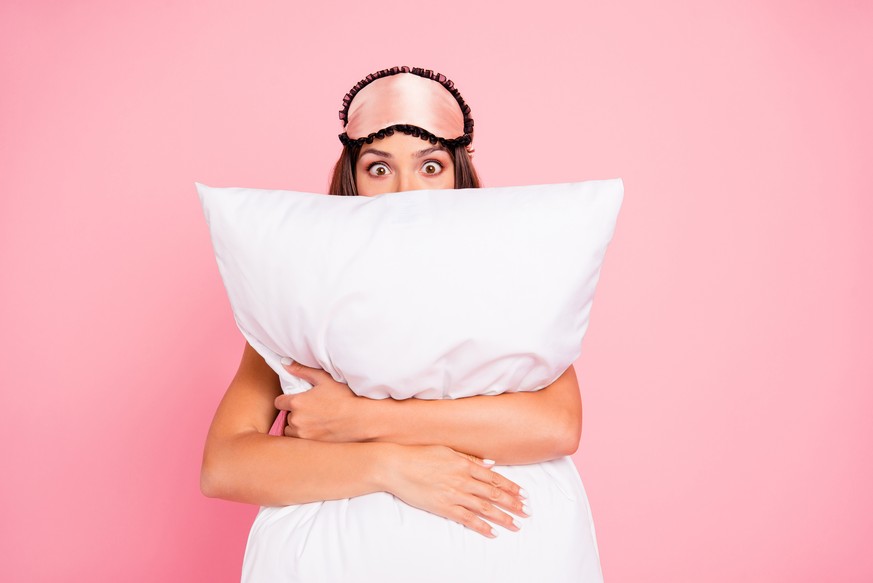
(418,154)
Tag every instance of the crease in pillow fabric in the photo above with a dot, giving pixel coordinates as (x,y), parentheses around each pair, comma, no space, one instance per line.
(430,293)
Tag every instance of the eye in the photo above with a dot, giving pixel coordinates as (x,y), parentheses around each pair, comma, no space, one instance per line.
(432,167)
(378,169)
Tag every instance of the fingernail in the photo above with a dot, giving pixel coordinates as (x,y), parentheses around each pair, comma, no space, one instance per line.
(526,509)
(488,462)
(493,533)
(286,361)
(516,524)
(522,492)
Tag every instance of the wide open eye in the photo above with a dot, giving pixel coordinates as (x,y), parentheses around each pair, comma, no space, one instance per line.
(432,167)
(378,169)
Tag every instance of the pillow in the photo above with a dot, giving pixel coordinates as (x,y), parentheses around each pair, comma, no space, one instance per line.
(426,293)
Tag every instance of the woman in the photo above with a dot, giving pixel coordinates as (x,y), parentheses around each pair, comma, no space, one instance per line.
(361,489)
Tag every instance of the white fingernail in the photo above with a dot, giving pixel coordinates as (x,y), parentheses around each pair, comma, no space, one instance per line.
(526,509)
(515,523)
(522,492)
(286,361)
(488,462)
(493,532)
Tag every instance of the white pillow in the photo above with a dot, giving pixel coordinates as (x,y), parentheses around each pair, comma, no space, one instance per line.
(427,293)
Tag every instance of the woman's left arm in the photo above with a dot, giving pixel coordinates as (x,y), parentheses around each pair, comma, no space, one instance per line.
(510,428)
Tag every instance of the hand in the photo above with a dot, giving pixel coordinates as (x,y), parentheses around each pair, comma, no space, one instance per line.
(455,485)
(329,411)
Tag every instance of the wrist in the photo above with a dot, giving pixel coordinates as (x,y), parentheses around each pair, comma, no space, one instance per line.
(374,418)
(387,466)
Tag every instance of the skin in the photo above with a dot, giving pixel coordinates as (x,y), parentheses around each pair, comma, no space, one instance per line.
(399,163)
(429,454)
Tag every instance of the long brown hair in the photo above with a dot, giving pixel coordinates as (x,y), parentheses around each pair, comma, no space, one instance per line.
(343,181)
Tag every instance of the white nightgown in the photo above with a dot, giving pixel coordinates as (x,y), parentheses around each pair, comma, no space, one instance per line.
(379,538)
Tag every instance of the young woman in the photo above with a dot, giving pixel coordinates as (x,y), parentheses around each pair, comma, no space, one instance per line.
(363,489)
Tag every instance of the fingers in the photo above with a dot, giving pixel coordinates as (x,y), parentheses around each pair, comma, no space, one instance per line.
(496,487)
(482,508)
(481,461)
(283,402)
(473,509)
(468,518)
(460,487)
(488,489)
(489,494)
(489,476)
(311,375)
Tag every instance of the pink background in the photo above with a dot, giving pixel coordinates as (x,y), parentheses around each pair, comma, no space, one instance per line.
(727,373)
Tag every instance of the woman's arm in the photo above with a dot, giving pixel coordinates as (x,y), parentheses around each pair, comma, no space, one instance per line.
(241,462)
(511,428)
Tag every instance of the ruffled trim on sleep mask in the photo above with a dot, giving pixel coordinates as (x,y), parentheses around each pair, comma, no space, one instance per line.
(408,130)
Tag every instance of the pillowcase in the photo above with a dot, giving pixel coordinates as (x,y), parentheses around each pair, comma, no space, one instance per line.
(426,293)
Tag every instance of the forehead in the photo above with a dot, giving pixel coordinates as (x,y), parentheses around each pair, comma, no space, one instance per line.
(401,146)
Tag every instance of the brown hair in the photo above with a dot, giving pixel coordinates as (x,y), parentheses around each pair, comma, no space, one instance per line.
(343,181)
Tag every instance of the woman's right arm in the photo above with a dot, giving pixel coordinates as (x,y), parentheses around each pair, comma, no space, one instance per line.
(242,462)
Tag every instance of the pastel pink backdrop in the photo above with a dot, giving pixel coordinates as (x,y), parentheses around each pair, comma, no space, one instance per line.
(727,371)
